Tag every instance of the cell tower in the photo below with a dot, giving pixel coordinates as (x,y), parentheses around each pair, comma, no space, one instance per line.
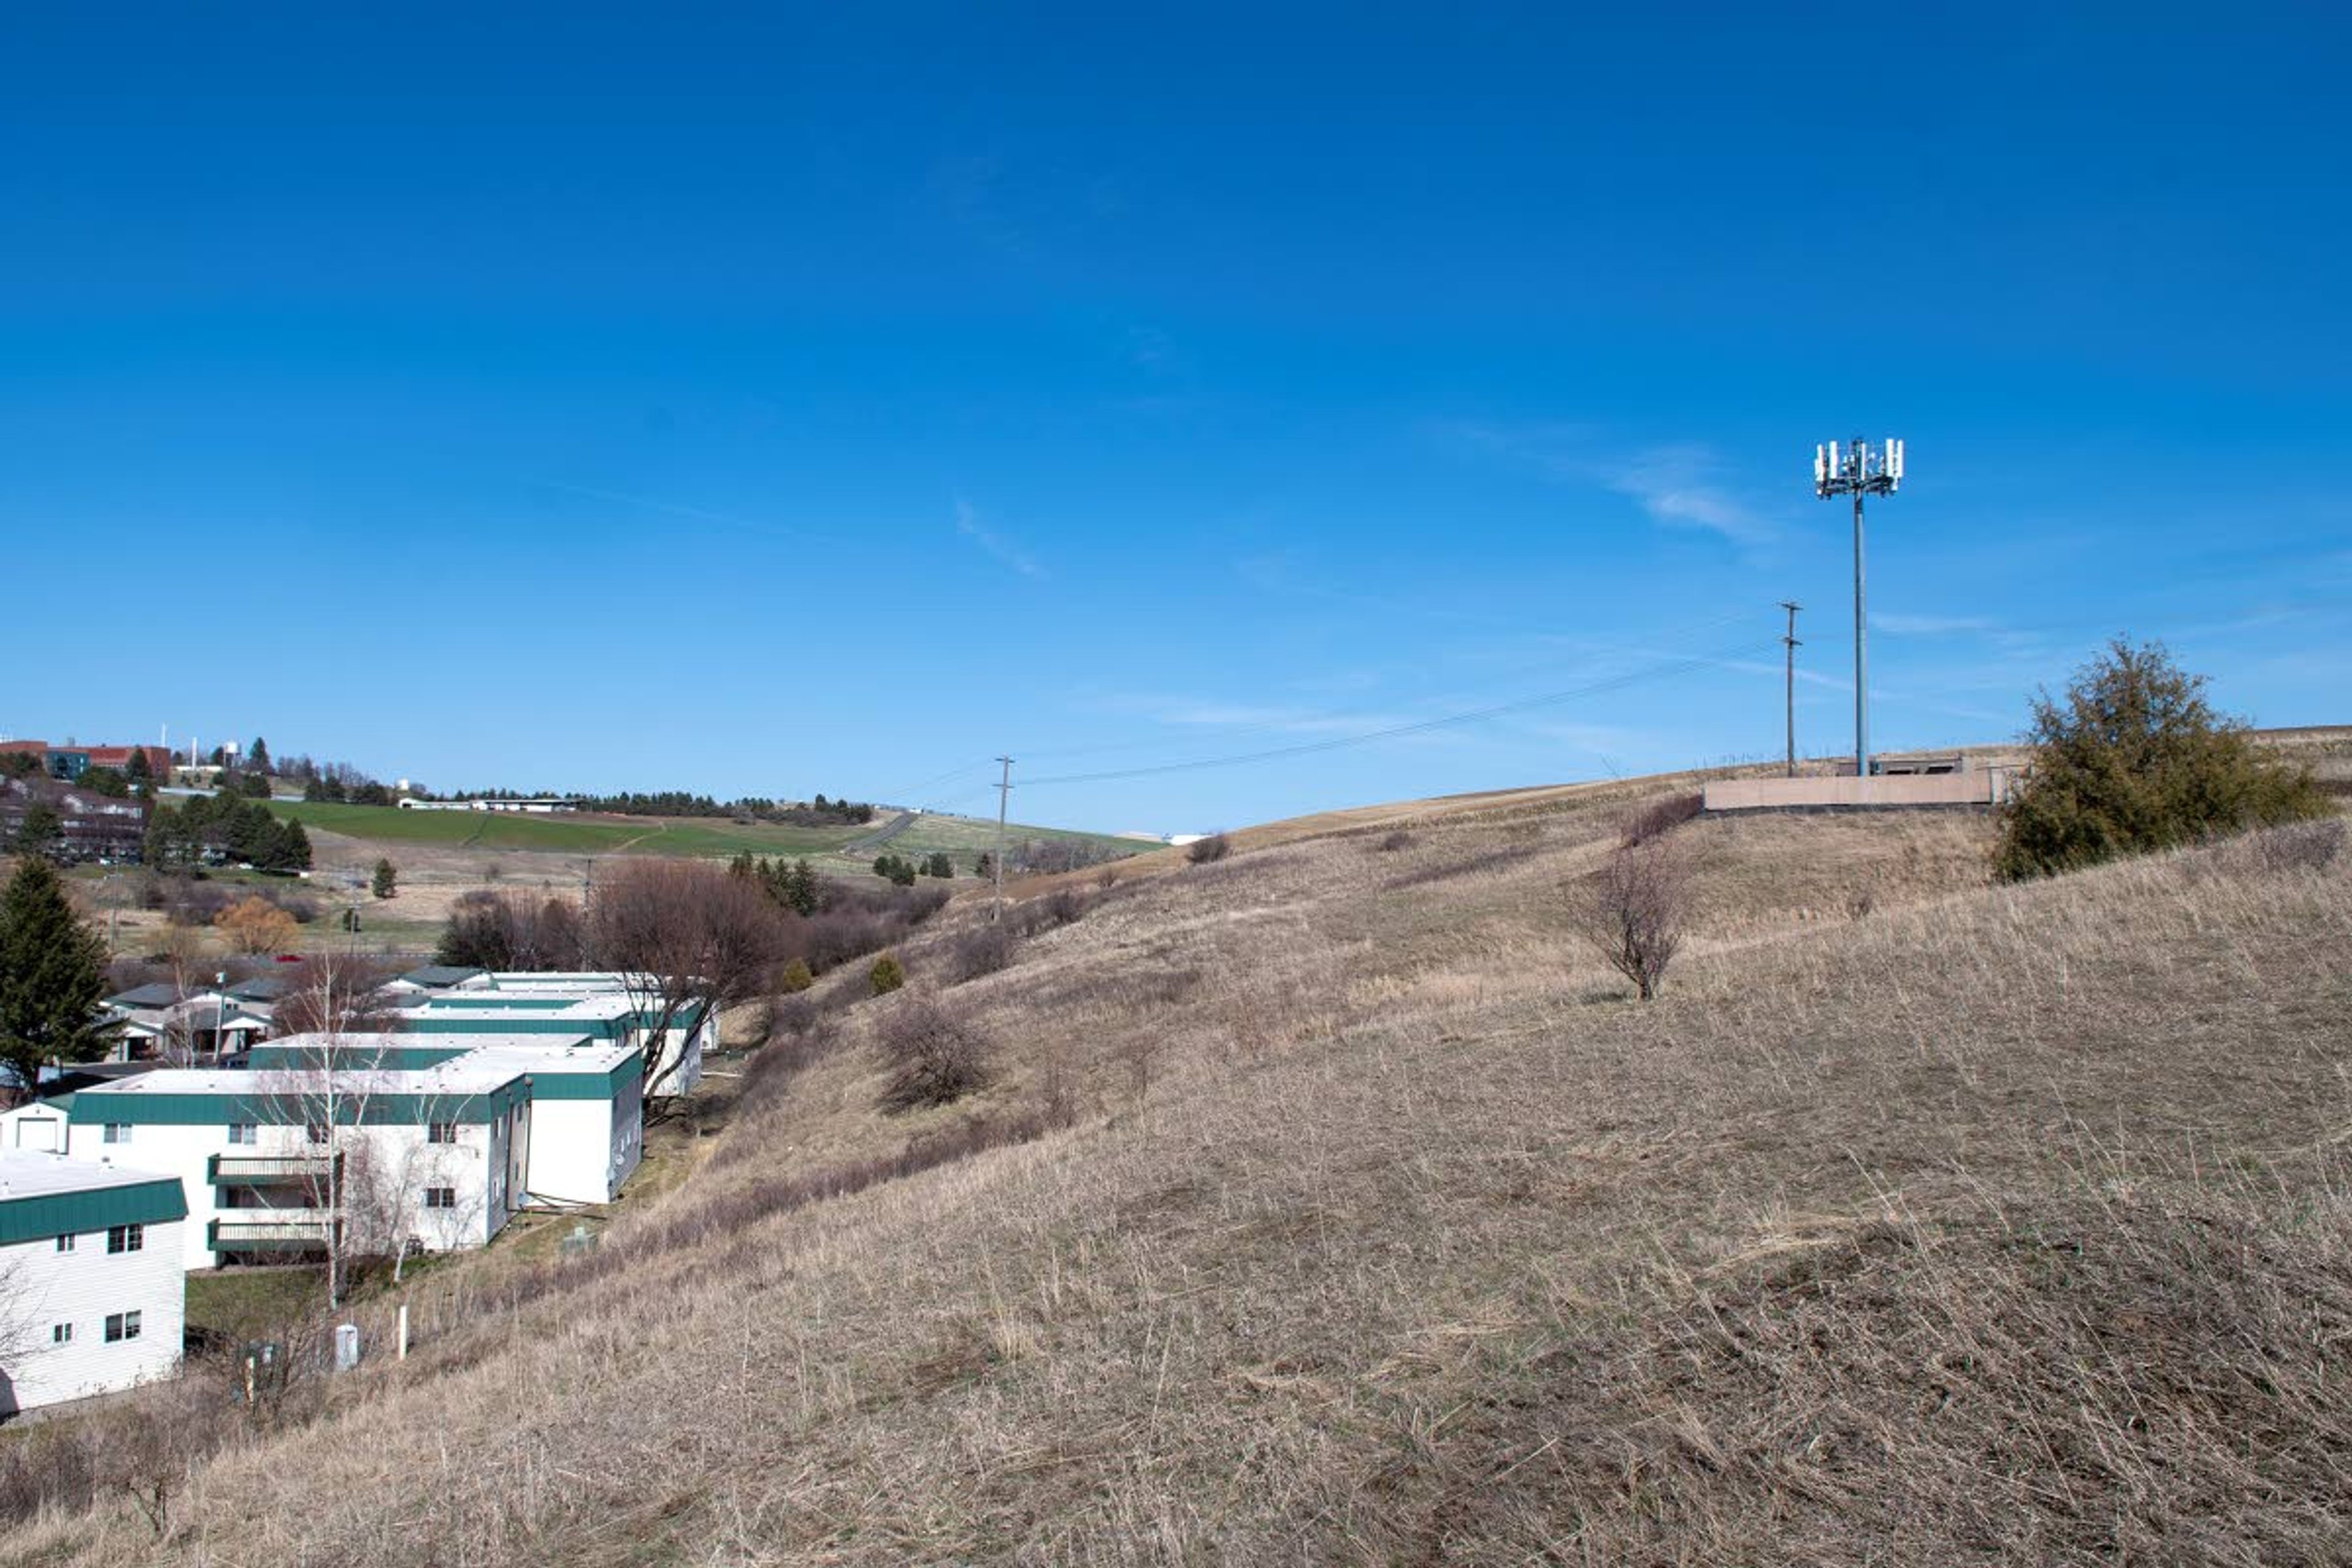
(1861,469)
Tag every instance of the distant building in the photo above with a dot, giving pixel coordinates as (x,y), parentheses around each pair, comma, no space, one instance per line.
(538,806)
(92,1253)
(68,763)
(159,1022)
(91,826)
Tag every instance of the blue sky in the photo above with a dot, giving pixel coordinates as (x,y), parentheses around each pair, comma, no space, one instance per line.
(780,399)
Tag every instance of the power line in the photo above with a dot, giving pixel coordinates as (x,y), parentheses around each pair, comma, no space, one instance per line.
(1592,689)
(1675,634)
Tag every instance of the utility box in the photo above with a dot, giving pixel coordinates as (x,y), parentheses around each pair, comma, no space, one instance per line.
(347,1346)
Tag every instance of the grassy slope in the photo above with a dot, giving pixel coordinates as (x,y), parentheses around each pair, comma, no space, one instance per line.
(601,835)
(1996,1225)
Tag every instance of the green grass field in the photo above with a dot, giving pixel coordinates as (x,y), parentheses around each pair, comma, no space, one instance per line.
(962,837)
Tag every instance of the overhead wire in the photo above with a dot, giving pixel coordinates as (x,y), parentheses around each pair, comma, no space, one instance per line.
(1306,747)
(1687,630)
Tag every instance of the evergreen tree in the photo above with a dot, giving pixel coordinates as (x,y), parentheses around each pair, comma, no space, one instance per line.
(257,760)
(293,848)
(985,866)
(37,830)
(255,784)
(802,890)
(142,776)
(387,878)
(52,974)
(2134,759)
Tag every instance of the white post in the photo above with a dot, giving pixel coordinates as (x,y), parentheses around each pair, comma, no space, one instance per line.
(401,1344)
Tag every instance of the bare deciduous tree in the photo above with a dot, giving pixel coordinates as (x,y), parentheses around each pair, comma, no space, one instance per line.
(683,933)
(1632,910)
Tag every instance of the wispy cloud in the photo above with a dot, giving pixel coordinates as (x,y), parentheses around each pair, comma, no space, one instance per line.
(968,524)
(1903,626)
(1679,484)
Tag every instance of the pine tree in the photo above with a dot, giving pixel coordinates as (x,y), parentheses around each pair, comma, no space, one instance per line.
(142,776)
(257,760)
(52,974)
(294,849)
(387,878)
(37,829)
(803,891)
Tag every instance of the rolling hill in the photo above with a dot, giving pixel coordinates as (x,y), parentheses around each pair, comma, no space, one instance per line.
(1331,1204)
(588,832)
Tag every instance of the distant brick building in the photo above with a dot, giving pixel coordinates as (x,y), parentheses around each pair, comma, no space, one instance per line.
(68,763)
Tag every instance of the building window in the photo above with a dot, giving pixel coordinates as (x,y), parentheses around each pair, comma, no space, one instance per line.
(64,1244)
(126,1238)
(116,1132)
(60,1333)
(441,1133)
(440,1197)
(244,1133)
(121,1326)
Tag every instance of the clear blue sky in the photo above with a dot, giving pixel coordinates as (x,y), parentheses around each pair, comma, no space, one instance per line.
(782,399)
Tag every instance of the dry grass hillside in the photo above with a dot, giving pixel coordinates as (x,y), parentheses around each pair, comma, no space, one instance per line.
(1330,1204)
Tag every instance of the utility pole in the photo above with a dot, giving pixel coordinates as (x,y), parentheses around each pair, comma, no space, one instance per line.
(1861,469)
(1791,644)
(996,865)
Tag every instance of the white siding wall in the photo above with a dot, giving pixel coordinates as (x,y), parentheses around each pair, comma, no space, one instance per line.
(582,1149)
(400,1162)
(683,1048)
(168,1151)
(34,1126)
(45,1288)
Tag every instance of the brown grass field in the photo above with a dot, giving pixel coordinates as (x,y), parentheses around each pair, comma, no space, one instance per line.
(1921,1221)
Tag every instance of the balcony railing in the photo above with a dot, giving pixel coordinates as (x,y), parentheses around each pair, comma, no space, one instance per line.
(285,1230)
(273,1170)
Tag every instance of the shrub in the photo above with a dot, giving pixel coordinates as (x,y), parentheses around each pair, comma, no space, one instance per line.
(982,950)
(255,925)
(2133,760)
(1204,851)
(1061,907)
(1661,817)
(1396,840)
(1631,912)
(934,1057)
(796,977)
(887,974)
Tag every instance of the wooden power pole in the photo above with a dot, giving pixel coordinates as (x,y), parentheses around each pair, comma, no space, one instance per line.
(1789,645)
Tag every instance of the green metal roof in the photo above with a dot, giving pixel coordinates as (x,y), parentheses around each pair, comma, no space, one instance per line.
(555,1083)
(59,1214)
(295,1109)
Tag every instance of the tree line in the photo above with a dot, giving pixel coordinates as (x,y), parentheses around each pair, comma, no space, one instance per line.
(226,827)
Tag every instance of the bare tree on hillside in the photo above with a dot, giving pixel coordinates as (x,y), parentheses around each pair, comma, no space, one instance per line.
(690,938)
(316,1114)
(1632,909)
